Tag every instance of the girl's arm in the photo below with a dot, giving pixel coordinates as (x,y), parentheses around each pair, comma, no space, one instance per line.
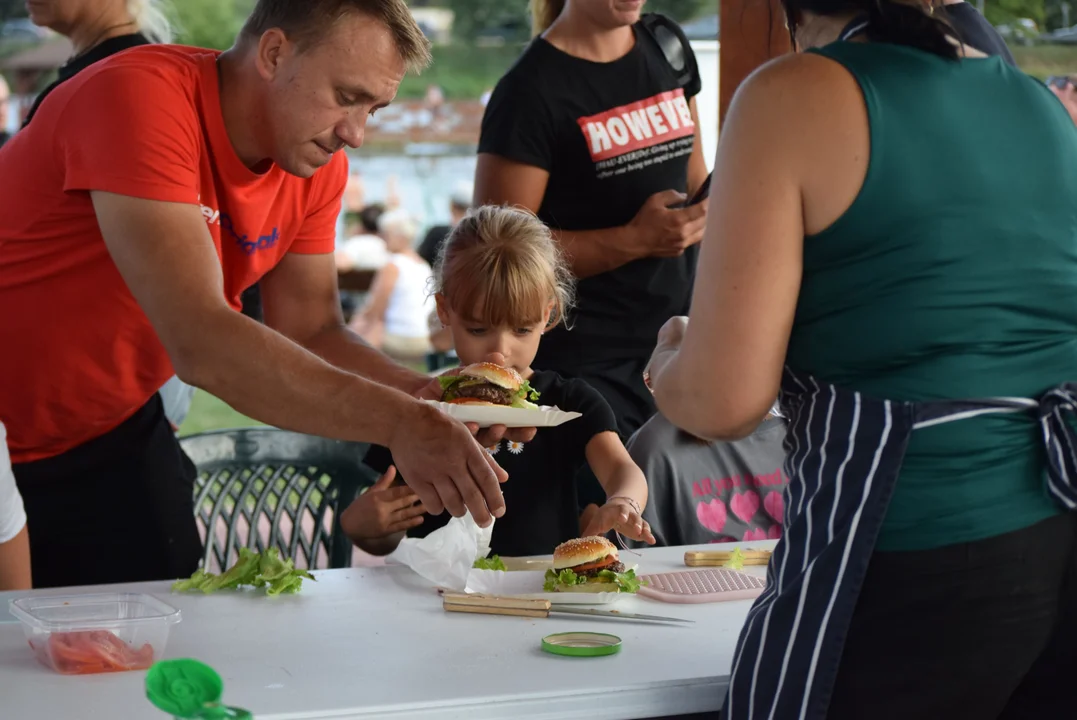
(15,562)
(625,486)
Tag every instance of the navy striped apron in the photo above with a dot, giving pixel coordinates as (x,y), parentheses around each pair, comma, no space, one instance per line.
(844,453)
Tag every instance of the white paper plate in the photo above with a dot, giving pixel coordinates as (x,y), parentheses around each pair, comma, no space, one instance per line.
(527,585)
(487,415)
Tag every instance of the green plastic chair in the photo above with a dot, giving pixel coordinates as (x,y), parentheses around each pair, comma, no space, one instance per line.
(264,487)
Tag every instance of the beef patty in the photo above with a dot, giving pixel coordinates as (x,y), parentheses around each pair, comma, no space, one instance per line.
(486,393)
(617,567)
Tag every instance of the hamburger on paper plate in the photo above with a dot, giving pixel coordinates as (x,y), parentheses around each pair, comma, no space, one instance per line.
(488,384)
(590,565)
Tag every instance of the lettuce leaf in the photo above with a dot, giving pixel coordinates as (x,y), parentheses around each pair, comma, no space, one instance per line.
(242,573)
(493,562)
(195,582)
(735,561)
(264,571)
(626,582)
(529,393)
(561,577)
(519,402)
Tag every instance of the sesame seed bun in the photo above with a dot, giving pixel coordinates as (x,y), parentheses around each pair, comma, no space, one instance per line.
(581,551)
(495,375)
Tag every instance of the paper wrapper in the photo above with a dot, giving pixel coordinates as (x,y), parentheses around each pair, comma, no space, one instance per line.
(528,585)
(487,415)
(445,556)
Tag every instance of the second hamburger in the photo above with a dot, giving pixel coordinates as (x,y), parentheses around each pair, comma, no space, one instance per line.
(591,565)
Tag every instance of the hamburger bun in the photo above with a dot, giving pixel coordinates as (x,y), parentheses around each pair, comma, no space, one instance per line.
(495,375)
(581,551)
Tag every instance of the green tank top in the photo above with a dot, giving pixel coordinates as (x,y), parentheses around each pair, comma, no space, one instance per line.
(953,275)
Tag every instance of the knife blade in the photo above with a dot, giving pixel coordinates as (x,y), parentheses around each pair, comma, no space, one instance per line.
(615,614)
(493,605)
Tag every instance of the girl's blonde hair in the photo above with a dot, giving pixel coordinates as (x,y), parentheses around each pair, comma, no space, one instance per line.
(151,18)
(543,13)
(502,263)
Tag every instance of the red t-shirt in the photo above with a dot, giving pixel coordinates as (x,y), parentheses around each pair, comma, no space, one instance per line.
(77,354)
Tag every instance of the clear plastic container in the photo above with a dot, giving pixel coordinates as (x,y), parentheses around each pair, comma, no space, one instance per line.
(88,634)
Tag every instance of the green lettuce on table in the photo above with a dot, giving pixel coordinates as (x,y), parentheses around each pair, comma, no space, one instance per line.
(266,571)
(494,562)
(626,582)
(736,560)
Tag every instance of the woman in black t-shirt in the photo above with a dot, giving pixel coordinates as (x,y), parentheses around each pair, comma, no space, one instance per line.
(97,29)
(594,130)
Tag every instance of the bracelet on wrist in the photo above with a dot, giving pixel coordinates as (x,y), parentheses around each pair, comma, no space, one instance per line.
(631,501)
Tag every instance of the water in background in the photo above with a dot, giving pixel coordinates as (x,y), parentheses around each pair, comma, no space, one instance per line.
(425,177)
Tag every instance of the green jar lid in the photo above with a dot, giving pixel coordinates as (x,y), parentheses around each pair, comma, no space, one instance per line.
(189,689)
(582,644)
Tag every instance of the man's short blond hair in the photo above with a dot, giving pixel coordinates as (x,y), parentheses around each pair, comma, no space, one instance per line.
(304,21)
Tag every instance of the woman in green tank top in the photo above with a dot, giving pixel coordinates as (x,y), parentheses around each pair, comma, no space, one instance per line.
(892,246)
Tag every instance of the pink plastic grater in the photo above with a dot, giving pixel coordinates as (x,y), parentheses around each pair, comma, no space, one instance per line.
(702,586)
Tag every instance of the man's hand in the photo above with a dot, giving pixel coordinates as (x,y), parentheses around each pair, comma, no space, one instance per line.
(659,230)
(446,467)
(382,510)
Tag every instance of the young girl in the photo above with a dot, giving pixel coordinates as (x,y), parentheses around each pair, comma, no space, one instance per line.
(502,283)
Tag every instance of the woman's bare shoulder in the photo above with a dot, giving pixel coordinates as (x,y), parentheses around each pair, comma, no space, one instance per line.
(802,105)
(798,82)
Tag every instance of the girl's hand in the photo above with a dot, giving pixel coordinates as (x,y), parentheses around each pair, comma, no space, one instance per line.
(382,510)
(620,515)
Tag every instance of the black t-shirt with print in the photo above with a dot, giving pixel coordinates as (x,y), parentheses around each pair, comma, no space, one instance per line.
(610,135)
(540,495)
(73,67)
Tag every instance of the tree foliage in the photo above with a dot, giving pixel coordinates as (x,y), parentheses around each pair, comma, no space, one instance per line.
(209,23)
(682,10)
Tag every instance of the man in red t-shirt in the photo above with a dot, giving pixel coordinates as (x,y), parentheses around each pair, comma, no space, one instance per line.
(149,192)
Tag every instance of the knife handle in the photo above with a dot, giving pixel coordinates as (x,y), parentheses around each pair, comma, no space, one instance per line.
(493,610)
(495,601)
(718,558)
(492,605)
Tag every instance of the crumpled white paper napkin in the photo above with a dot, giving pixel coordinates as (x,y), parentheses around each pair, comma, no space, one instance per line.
(445,556)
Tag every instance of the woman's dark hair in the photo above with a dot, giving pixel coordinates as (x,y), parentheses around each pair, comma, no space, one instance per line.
(888,21)
(369,216)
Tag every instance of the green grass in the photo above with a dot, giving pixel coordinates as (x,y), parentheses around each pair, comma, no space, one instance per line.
(462,71)
(1044,60)
(209,413)
(465,71)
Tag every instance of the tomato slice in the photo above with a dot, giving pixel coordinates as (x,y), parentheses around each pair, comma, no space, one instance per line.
(96,651)
(608,560)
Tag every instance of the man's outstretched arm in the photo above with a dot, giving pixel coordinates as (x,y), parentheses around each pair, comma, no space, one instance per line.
(166,256)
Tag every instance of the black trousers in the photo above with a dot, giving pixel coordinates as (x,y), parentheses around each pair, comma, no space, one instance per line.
(119,508)
(975,631)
